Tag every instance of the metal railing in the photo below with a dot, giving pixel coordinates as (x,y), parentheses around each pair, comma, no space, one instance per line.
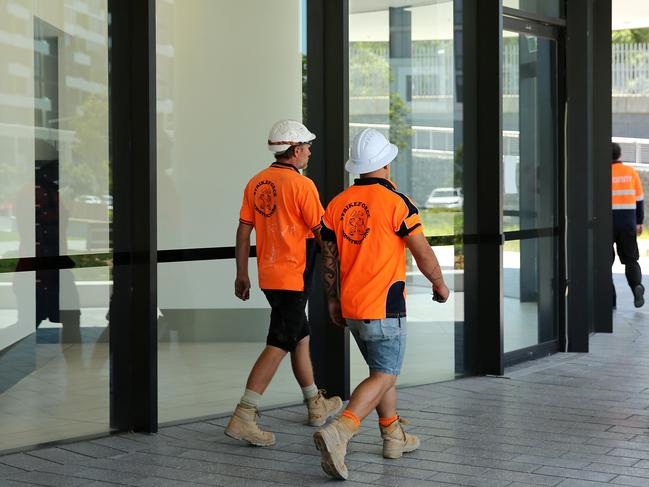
(630,69)
(433,70)
(633,150)
(435,140)
(439,140)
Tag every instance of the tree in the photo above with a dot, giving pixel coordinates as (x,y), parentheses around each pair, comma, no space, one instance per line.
(630,36)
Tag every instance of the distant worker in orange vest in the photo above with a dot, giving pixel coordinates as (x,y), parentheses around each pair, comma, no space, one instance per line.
(284,209)
(365,232)
(628,215)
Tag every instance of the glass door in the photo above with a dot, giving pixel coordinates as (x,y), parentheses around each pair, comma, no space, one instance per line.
(530,186)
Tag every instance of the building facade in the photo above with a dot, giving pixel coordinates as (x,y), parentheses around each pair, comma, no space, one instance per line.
(128,131)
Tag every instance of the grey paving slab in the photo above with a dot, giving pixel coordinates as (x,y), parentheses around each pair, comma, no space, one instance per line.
(230,481)
(97,474)
(582,483)
(620,470)
(92,450)
(24,461)
(388,481)
(576,474)
(13,483)
(452,478)
(59,455)
(48,479)
(6,471)
(627,480)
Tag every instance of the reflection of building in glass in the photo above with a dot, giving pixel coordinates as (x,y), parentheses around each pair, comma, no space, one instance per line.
(57,92)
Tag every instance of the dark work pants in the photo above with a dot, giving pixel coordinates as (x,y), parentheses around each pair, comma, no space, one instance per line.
(626,244)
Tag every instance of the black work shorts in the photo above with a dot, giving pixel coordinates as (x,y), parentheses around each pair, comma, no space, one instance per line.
(288,322)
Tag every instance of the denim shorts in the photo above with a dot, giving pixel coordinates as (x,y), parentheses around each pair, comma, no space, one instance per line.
(382,342)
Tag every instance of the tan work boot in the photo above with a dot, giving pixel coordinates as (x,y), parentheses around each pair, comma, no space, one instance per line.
(321,409)
(331,441)
(243,426)
(396,441)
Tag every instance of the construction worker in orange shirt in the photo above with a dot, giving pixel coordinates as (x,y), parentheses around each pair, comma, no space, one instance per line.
(283,207)
(628,216)
(365,232)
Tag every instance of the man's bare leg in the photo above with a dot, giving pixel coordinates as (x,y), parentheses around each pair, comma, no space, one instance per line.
(243,424)
(387,407)
(320,408)
(264,369)
(370,392)
(301,363)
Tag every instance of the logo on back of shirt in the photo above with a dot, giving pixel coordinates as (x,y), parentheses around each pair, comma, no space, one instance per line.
(265,196)
(355,222)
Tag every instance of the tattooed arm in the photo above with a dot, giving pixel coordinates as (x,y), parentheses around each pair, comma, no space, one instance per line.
(330,278)
(428,265)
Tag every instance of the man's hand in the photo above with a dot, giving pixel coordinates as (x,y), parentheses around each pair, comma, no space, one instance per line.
(242,287)
(440,293)
(638,229)
(335,312)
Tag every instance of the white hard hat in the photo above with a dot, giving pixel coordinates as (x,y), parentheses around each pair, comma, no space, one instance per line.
(369,151)
(287,133)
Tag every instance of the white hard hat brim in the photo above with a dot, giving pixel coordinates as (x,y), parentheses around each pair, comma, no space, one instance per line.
(278,149)
(386,156)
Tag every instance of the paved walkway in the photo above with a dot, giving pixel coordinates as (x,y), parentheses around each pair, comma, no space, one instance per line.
(568,420)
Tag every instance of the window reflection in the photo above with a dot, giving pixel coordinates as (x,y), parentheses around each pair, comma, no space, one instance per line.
(54,204)
(402,82)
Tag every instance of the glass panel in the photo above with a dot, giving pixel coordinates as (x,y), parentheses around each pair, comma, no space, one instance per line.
(53,380)
(402,82)
(530,268)
(530,157)
(212,134)
(54,200)
(549,8)
(530,182)
(208,341)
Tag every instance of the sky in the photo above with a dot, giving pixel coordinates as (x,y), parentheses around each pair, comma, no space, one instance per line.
(630,14)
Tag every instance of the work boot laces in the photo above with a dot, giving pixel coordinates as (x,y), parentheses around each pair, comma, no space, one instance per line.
(400,421)
(320,396)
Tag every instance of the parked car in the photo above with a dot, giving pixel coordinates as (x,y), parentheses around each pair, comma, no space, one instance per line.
(445,198)
(89,199)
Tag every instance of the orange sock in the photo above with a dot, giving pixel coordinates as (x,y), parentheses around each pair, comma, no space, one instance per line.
(388,421)
(352,418)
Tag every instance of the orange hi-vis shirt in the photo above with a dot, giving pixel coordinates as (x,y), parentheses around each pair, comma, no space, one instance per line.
(368,221)
(627,196)
(284,208)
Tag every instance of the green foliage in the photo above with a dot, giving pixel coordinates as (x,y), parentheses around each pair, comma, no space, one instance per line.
(400,129)
(366,65)
(630,36)
(88,172)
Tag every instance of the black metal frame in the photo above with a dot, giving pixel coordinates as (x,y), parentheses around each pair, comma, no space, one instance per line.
(550,28)
(327,80)
(538,19)
(133,310)
(482,112)
(588,128)
(531,353)
(602,131)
